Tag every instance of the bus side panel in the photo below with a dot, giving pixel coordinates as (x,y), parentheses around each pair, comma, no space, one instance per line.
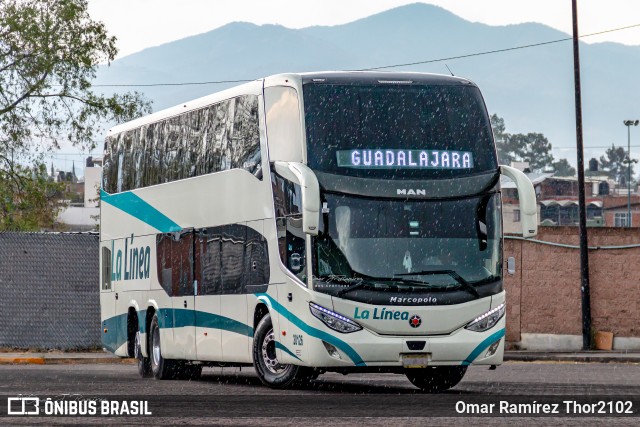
(188,204)
(208,335)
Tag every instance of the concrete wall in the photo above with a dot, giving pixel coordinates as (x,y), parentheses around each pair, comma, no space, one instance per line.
(92,175)
(79,218)
(544,295)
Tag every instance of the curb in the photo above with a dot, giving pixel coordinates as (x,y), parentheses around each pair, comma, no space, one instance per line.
(21,360)
(570,358)
(63,360)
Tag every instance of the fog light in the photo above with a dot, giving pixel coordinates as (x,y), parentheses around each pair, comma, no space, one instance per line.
(493,348)
(333,352)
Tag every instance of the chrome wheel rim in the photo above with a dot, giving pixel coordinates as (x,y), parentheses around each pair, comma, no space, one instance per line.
(156,347)
(269,354)
(136,350)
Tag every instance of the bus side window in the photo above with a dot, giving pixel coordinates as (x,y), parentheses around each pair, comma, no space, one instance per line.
(209,249)
(287,199)
(256,261)
(163,254)
(246,135)
(232,257)
(182,263)
(284,130)
(106,269)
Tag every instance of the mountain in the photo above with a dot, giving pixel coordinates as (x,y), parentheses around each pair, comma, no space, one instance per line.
(531,88)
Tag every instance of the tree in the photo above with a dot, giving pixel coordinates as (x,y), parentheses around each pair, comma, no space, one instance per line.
(49,53)
(563,168)
(505,154)
(614,164)
(534,148)
(29,200)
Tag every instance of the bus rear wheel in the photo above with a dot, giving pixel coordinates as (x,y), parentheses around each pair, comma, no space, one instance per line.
(144,363)
(270,371)
(163,369)
(436,378)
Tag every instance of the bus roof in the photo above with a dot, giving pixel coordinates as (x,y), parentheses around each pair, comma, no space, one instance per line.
(381,77)
(255,87)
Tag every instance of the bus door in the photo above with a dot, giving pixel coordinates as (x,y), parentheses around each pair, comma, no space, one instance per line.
(182,291)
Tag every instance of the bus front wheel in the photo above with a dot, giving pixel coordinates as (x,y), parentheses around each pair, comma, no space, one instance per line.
(436,378)
(270,371)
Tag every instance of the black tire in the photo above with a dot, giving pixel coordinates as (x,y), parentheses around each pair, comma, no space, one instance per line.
(270,372)
(162,369)
(144,363)
(436,378)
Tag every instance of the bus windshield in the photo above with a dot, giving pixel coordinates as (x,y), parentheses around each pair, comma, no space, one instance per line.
(437,244)
(398,131)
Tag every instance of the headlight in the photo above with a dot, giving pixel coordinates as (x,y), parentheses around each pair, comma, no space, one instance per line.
(487,320)
(335,321)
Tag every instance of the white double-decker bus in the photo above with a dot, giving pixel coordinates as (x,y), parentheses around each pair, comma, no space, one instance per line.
(305,223)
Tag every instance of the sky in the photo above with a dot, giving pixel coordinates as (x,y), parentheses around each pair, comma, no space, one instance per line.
(139,24)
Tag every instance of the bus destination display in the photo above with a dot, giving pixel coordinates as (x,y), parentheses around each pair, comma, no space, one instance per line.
(404,159)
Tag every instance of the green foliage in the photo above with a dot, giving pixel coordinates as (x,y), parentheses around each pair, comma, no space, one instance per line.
(532,147)
(49,53)
(29,201)
(615,164)
(563,168)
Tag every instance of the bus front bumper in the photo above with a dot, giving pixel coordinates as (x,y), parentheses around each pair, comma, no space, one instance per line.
(367,349)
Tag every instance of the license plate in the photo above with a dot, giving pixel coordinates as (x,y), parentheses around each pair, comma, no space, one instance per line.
(416,360)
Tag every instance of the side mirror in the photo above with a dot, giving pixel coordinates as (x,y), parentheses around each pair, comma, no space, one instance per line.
(527,197)
(301,174)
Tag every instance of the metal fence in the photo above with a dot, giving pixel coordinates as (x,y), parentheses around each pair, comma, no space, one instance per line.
(49,291)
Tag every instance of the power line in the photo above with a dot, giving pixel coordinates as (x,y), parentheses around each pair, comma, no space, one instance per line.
(176,84)
(593,146)
(497,50)
(383,67)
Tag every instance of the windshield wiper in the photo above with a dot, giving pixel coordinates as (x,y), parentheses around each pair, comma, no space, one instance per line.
(468,286)
(368,281)
(488,279)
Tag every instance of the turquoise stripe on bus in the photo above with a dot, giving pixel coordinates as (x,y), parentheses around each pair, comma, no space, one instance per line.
(286,350)
(116,326)
(337,342)
(180,318)
(138,208)
(116,334)
(483,346)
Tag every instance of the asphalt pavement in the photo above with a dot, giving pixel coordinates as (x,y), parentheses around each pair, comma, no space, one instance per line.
(233,396)
(55,357)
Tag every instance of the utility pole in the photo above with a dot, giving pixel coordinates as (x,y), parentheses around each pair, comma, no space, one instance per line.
(582,212)
(628,124)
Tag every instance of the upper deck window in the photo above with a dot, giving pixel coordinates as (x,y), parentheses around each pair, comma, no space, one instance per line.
(398,131)
(215,138)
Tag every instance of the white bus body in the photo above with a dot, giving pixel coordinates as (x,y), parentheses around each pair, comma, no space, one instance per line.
(291,224)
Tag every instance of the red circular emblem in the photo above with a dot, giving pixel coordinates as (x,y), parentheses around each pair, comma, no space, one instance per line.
(415,321)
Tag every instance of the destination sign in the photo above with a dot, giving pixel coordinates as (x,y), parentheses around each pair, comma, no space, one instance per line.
(404,159)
